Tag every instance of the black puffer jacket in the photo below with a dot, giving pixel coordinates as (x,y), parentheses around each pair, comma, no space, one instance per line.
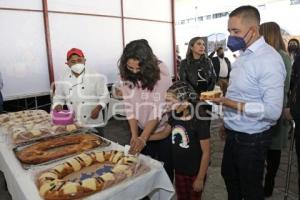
(191,69)
(294,98)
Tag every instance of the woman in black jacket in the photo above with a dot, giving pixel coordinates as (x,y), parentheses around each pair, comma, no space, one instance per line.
(197,69)
(294,102)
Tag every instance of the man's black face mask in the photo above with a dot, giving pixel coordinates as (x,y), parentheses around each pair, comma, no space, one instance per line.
(292,48)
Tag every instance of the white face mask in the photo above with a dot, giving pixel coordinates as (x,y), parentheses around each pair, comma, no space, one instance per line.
(77,68)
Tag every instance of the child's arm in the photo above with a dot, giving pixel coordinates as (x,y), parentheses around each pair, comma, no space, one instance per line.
(199,181)
(161,134)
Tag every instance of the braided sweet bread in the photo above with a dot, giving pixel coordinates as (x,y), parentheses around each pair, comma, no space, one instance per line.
(209,95)
(52,186)
(58,147)
(64,128)
(21,134)
(4,118)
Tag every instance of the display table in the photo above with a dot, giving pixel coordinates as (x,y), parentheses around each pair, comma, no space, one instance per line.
(21,184)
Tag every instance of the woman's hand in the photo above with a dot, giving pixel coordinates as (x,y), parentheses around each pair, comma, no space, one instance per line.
(198,185)
(137,144)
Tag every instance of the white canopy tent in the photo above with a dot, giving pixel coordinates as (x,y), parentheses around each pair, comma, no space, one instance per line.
(100,28)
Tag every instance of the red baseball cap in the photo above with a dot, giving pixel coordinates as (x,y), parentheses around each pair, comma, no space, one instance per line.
(74,51)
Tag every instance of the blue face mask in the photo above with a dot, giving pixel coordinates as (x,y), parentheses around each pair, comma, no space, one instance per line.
(235,43)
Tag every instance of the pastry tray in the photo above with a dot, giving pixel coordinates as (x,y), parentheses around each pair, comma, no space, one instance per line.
(25,166)
(47,136)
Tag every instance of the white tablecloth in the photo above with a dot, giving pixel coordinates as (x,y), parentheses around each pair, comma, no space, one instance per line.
(21,184)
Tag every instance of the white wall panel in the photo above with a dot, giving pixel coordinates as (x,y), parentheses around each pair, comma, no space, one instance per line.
(154,9)
(24,63)
(23,54)
(23,4)
(103,7)
(159,36)
(100,38)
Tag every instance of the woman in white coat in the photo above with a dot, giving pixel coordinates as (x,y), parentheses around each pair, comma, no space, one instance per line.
(83,92)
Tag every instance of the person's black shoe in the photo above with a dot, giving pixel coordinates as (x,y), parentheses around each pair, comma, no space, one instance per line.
(268,188)
(3,186)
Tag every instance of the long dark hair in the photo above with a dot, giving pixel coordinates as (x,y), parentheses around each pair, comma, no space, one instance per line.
(149,70)
(189,52)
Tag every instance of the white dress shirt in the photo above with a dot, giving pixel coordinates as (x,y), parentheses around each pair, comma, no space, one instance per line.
(257,78)
(223,68)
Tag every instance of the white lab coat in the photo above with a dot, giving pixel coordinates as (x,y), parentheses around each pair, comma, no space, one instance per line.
(83,94)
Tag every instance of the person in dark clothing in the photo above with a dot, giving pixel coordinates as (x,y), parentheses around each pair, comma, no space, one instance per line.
(197,69)
(222,68)
(294,103)
(272,34)
(198,72)
(293,49)
(190,141)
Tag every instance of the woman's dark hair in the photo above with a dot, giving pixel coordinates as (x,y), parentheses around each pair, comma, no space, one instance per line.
(149,70)
(189,52)
(272,34)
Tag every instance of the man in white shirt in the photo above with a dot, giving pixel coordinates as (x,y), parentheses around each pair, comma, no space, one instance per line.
(252,105)
(222,68)
(1,98)
(83,91)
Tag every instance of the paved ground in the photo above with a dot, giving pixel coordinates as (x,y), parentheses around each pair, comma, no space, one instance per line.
(215,188)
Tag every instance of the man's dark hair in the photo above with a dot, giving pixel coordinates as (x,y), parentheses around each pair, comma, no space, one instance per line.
(295,51)
(294,40)
(219,49)
(246,12)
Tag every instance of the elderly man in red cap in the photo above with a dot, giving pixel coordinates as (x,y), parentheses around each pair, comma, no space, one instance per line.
(82,91)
